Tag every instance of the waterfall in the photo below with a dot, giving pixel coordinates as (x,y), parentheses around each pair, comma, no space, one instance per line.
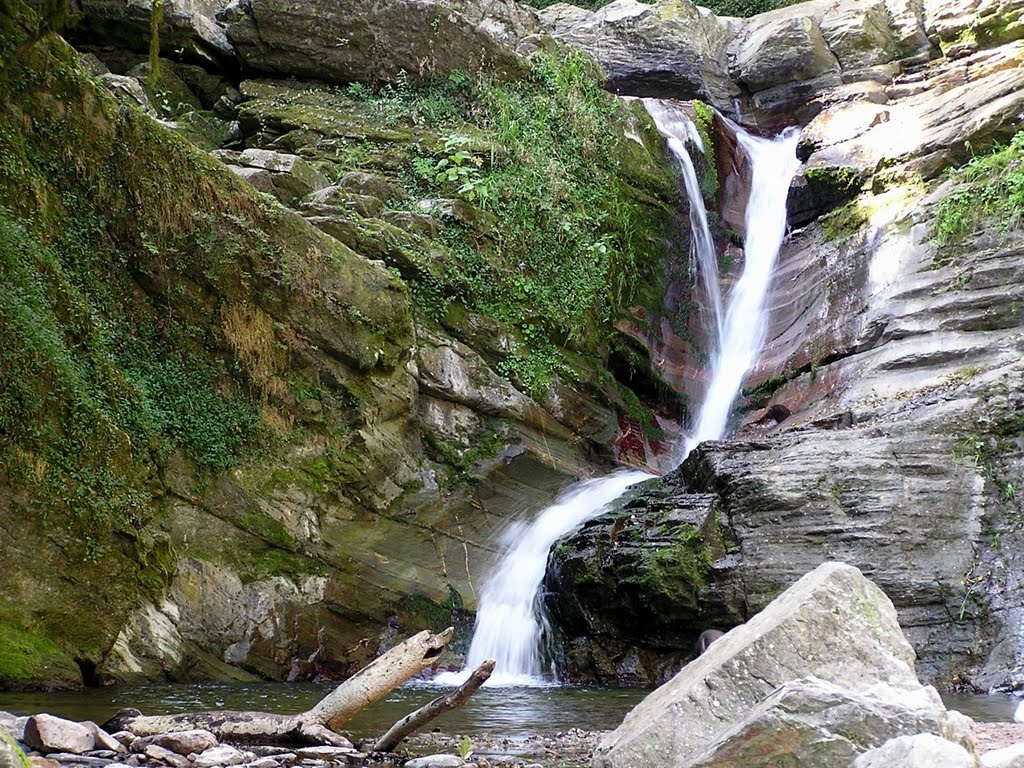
(773,164)
(677,128)
(510,625)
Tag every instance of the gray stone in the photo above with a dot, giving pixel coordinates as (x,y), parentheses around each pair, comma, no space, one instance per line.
(1007,757)
(775,50)
(103,739)
(321,40)
(814,723)
(860,36)
(54,734)
(263,762)
(221,755)
(11,755)
(325,753)
(435,761)
(165,756)
(833,624)
(180,742)
(368,184)
(75,759)
(671,48)
(924,750)
(14,725)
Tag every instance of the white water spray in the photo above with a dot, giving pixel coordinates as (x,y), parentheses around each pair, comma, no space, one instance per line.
(677,128)
(773,164)
(511,623)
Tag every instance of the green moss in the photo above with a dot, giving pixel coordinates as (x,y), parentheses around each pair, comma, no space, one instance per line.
(988,191)
(707,165)
(12,750)
(843,222)
(28,657)
(679,573)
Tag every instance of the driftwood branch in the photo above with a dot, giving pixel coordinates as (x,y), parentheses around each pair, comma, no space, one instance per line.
(416,720)
(379,677)
(320,724)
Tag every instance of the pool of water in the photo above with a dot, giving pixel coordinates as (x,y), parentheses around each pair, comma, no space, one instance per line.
(512,712)
(509,712)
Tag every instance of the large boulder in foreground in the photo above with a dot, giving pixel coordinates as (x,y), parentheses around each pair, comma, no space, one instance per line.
(833,624)
(366,40)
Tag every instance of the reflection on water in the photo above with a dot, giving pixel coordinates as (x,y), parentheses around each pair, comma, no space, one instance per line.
(511,712)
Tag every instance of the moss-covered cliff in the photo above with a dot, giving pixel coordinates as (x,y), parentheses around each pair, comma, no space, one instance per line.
(227,429)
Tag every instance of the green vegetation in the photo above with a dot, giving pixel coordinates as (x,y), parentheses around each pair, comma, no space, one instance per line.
(707,167)
(989,191)
(549,237)
(677,574)
(843,222)
(26,655)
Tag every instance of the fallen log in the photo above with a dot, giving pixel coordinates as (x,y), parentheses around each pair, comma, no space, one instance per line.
(320,724)
(416,720)
(379,678)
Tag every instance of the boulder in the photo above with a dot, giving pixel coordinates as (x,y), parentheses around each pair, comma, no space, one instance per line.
(774,50)
(1007,757)
(103,739)
(47,733)
(290,176)
(369,41)
(14,725)
(188,27)
(670,49)
(859,35)
(833,624)
(923,750)
(815,723)
(11,755)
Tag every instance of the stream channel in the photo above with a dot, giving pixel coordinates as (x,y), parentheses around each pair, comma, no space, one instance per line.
(513,712)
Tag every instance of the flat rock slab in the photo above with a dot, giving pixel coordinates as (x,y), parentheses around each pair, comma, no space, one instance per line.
(832,624)
(217,756)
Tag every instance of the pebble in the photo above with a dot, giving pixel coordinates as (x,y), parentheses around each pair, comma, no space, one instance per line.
(435,761)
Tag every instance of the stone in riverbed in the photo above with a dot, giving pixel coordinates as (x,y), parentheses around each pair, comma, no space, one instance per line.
(47,733)
(833,624)
(164,756)
(222,755)
(325,753)
(11,755)
(104,741)
(435,761)
(13,725)
(924,750)
(1007,757)
(824,725)
(190,742)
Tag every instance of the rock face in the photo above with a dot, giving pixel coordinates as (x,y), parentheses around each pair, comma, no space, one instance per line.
(374,42)
(824,668)
(668,49)
(878,419)
(325,453)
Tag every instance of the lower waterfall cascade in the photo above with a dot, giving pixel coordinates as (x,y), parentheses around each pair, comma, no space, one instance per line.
(511,624)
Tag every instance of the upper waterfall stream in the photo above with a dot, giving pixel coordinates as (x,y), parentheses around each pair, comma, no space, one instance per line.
(511,623)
